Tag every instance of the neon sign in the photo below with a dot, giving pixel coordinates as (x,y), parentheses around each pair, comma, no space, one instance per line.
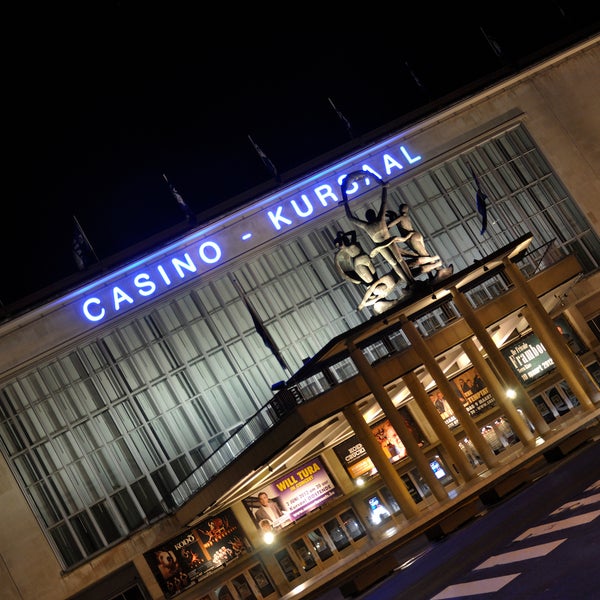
(239,233)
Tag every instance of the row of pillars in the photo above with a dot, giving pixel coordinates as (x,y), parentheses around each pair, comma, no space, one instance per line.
(498,375)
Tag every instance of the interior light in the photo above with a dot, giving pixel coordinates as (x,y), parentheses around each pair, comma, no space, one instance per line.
(510,393)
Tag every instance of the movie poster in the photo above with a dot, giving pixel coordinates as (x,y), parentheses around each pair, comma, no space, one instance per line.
(473,393)
(182,561)
(291,496)
(353,455)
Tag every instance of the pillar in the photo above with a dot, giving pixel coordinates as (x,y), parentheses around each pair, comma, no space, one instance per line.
(413,449)
(381,461)
(575,374)
(508,376)
(499,392)
(460,412)
(461,465)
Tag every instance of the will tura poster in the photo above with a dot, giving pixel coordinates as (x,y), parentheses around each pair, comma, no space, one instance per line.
(291,496)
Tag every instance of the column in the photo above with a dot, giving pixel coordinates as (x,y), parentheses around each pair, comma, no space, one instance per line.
(381,462)
(460,412)
(575,374)
(391,412)
(499,393)
(461,465)
(509,377)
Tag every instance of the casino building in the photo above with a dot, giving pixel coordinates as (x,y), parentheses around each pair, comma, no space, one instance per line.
(159,418)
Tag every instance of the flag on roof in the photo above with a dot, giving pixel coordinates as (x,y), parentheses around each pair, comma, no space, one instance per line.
(187,211)
(481,201)
(260,328)
(342,118)
(266,160)
(83,253)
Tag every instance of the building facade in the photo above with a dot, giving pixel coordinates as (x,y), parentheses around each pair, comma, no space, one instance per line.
(138,407)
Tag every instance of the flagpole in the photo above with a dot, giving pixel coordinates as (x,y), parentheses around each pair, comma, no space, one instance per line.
(187,211)
(268,341)
(266,160)
(480,197)
(342,118)
(85,237)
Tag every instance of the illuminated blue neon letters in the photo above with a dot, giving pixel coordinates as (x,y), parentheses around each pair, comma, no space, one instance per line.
(236,235)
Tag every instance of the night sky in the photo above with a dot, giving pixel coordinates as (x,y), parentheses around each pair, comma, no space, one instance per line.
(105,97)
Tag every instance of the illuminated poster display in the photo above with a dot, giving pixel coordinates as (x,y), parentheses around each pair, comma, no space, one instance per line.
(529,358)
(473,393)
(186,559)
(292,496)
(353,456)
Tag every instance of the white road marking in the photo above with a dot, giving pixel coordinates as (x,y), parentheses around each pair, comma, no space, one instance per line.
(577,503)
(558,525)
(524,554)
(473,588)
(594,486)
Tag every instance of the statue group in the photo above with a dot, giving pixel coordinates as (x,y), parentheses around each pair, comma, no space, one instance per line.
(405,254)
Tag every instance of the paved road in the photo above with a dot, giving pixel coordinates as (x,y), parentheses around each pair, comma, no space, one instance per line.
(541,542)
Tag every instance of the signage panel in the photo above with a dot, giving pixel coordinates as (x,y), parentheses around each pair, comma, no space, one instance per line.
(292,496)
(241,232)
(186,559)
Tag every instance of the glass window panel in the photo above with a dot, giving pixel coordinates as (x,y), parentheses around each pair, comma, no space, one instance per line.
(106,471)
(146,496)
(27,469)
(88,395)
(111,389)
(31,425)
(51,415)
(87,436)
(106,521)
(146,449)
(147,405)
(320,544)
(66,544)
(168,434)
(127,416)
(354,528)
(127,461)
(106,425)
(128,510)
(305,558)
(166,396)
(86,532)
(289,568)
(84,482)
(44,503)
(261,580)
(12,437)
(48,458)
(34,387)
(68,493)
(337,535)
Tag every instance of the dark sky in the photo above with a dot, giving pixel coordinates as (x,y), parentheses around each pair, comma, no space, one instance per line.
(105,97)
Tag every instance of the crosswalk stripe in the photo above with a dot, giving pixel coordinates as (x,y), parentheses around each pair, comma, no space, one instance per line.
(577,503)
(594,486)
(523,554)
(558,525)
(473,588)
